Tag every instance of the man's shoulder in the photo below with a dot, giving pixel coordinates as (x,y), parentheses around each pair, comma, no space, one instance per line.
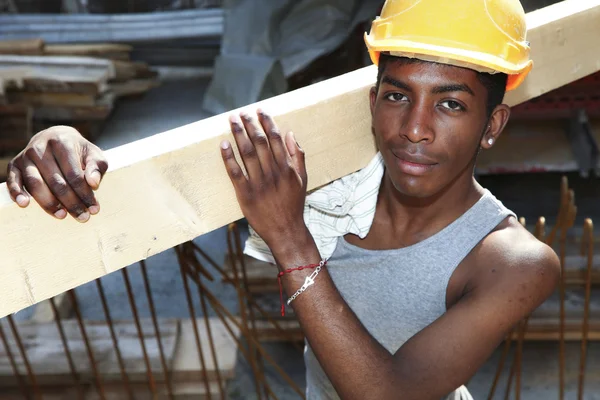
(511,255)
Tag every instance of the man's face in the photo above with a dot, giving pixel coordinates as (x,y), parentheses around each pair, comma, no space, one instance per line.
(428,121)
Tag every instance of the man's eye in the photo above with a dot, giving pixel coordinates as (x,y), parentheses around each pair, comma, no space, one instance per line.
(452,105)
(396,97)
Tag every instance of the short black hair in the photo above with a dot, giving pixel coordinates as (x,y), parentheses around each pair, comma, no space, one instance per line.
(494,83)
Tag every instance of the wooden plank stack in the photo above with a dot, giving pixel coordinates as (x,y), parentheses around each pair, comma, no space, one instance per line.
(75,84)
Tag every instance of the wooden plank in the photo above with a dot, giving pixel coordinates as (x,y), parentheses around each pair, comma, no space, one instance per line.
(104,50)
(3,166)
(22,47)
(178,176)
(59,99)
(15,127)
(46,352)
(133,87)
(97,112)
(60,63)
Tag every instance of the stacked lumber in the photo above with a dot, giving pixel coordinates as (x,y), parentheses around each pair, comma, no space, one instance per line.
(47,358)
(44,85)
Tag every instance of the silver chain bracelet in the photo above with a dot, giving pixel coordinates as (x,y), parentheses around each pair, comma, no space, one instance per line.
(307,282)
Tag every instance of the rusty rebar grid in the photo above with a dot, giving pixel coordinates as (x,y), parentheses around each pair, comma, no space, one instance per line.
(88,347)
(156,329)
(249,297)
(13,364)
(217,305)
(69,356)
(138,326)
(23,351)
(184,275)
(240,256)
(256,375)
(199,267)
(113,336)
(587,239)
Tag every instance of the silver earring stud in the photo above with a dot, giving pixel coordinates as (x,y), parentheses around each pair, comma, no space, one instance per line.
(490,141)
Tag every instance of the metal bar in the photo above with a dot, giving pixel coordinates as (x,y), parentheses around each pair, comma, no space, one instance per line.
(264,353)
(199,267)
(511,374)
(501,363)
(156,328)
(65,344)
(151,382)
(114,338)
(241,347)
(183,267)
(13,364)
(211,340)
(246,331)
(519,357)
(30,373)
(240,256)
(588,236)
(88,347)
(250,299)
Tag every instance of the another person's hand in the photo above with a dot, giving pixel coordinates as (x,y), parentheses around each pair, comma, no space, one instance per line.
(60,169)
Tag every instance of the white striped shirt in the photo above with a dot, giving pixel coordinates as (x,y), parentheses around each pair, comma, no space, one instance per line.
(345,206)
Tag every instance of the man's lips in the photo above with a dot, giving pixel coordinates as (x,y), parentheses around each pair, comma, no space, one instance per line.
(413,164)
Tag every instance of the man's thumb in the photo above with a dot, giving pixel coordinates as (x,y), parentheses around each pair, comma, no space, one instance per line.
(95,168)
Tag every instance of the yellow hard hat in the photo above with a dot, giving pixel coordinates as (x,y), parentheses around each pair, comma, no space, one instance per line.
(484,35)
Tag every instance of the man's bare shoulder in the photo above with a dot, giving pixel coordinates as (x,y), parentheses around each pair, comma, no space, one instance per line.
(511,259)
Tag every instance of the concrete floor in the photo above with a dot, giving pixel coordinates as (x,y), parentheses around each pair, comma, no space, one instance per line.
(178,103)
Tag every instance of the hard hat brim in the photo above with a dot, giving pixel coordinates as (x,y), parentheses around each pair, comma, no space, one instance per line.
(478,61)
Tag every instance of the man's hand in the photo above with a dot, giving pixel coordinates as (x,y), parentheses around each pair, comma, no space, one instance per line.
(272,194)
(60,169)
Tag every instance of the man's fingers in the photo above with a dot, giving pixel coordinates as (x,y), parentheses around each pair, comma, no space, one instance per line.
(60,187)
(95,165)
(278,148)
(14,182)
(246,148)
(32,179)
(260,141)
(231,165)
(70,165)
(297,155)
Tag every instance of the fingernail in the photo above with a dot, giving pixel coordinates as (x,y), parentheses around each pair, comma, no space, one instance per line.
(21,200)
(95,209)
(60,214)
(245,115)
(224,144)
(83,217)
(96,177)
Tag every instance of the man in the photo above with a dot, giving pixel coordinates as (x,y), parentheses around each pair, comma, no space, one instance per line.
(413,273)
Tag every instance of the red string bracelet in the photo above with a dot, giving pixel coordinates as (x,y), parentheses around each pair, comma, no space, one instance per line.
(290,270)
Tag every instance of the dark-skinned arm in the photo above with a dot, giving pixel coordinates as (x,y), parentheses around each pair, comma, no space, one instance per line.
(432,363)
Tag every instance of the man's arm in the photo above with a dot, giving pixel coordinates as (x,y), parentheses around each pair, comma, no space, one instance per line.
(442,356)
(522,274)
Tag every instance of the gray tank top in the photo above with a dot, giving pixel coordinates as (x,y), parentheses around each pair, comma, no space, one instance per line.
(397,293)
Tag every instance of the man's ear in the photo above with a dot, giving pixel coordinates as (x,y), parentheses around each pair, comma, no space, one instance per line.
(373,99)
(496,124)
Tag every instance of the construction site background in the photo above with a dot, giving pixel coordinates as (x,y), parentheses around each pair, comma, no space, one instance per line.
(102,339)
